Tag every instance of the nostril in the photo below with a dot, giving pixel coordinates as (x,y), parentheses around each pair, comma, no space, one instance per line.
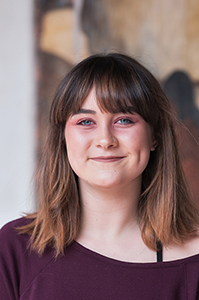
(105,138)
(107,143)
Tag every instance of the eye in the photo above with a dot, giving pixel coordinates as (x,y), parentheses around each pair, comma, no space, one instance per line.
(125,121)
(85,122)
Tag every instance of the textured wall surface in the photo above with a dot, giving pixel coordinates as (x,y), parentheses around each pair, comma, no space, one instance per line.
(163,35)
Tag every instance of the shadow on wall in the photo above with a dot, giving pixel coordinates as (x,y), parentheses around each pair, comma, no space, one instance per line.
(180,91)
(53,4)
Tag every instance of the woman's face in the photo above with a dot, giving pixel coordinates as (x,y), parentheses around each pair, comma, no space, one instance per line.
(107,150)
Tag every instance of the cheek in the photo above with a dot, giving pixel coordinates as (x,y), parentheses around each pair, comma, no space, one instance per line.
(75,137)
(140,144)
(137,140)
(77,145)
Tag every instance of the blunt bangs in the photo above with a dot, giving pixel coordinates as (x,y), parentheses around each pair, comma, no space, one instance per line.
(121,85)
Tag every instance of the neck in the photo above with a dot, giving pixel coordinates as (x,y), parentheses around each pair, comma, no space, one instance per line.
(110,225)
(108,214)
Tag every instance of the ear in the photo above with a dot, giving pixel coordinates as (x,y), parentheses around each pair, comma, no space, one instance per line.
(154,144)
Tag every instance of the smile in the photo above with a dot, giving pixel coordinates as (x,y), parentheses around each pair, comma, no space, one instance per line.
(107,159)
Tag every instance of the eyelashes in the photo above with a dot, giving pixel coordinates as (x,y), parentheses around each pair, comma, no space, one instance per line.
(121,121)
(125,121)
(85,122)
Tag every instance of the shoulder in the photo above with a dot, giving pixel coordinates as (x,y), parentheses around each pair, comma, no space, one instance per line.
(10,238)
(16,223)
(9,234)
(10,227)
(18,264)
(17,244)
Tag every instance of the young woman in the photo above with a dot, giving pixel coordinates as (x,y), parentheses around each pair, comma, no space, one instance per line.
(113,201)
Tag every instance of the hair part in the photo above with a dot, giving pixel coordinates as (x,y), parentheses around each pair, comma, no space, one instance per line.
(121,85)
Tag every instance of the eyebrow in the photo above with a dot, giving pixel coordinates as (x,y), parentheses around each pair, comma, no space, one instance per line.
(84,111)
(93,112)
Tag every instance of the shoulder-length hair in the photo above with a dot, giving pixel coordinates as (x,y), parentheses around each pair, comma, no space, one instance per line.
(122,84)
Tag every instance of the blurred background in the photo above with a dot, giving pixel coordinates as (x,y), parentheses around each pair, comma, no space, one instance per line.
(42,39)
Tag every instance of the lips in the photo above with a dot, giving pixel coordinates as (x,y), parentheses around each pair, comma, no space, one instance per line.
(107,159)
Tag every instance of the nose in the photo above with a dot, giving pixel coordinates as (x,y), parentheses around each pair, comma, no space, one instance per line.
(105,138)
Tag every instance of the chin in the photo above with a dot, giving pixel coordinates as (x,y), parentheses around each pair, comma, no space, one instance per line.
(107,183)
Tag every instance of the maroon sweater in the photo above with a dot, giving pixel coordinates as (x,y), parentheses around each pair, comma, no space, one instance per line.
(84,274)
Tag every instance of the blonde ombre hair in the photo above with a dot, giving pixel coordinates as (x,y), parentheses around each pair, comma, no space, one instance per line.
(122,84)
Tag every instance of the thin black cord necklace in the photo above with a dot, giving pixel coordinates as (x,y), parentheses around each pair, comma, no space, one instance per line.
(159,252)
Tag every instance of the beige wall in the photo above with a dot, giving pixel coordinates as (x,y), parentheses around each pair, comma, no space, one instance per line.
(166,32)
(163,34)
